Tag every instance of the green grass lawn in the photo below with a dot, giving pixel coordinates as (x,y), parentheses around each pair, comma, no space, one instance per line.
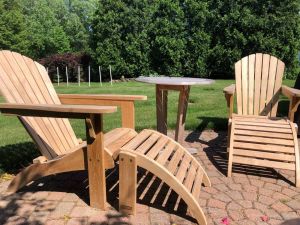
(206,110)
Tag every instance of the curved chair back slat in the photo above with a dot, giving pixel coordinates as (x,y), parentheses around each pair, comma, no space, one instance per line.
(258,81)
(25,81)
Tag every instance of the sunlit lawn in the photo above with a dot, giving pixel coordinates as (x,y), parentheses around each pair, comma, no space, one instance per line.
(206,110)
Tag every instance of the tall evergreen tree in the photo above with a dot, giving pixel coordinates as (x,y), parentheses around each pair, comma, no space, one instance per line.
(106,34)
(198,38)
(75,17)
(167,34)
(13,31)
(135,47)
(119,36)
(242,27)
(45,34)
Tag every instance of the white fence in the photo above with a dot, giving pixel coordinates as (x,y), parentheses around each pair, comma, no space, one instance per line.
(58,76)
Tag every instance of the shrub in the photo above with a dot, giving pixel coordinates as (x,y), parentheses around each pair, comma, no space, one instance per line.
(70,60)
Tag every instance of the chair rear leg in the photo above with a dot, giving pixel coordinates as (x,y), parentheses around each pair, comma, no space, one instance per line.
(128,183)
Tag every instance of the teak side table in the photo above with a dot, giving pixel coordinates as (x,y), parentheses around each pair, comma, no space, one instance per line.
(163,85)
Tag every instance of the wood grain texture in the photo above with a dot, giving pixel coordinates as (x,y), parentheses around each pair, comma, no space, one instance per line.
(245,82)
(253,143)
(181,114)
(125,102)
(229,95)
(26,82)
(96,166)
(161,109)
(271,84)
(294,97)
(297,154)
(230,90)
(98,97)
(178,187)
(264,83)
(258,81)
(238,81)
(143,148)
(251,81)
(71,162)
(34,109)
(170,162)
(255,135)
(128,115)
(128,182)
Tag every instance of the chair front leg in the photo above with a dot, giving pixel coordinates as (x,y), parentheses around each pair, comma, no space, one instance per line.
(96,165)
(128,183)
(229,100)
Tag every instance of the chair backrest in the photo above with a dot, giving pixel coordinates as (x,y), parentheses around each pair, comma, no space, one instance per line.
(258,84)
(25,81)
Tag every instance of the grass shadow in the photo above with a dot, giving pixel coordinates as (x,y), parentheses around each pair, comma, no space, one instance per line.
(17,156)
(283,108)
(214,123)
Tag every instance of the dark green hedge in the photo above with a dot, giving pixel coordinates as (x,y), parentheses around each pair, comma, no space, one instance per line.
(192,37)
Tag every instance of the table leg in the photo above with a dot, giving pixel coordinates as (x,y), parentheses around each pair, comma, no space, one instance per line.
(161,109)
(95,155)
(181,115)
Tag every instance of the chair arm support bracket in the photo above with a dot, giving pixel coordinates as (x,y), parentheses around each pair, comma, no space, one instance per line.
(90,128)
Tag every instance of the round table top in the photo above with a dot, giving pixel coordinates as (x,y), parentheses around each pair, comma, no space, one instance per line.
(175,80)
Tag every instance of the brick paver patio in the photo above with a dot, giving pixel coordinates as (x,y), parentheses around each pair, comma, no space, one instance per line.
(251,196)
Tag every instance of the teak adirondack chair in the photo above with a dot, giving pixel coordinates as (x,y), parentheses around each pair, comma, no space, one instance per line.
(255,135)
(30,95)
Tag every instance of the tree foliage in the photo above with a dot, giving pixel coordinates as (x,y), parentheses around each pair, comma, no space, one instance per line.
(45,33)
(61,61)
(119,36)
(12,27)
(242,27)
(166,37)
(48,26)
(198,38)
(167,34)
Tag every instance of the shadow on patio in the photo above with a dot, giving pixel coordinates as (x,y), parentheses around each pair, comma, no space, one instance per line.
(23,207)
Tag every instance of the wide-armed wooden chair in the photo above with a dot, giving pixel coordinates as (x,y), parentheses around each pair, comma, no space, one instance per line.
(30,95)
(255,135)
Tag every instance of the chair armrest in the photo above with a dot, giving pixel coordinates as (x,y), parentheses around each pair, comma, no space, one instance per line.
(125,102)
(56,111)
(294,97)
(92,97)
(229,95)
(290,92)
(230,90)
